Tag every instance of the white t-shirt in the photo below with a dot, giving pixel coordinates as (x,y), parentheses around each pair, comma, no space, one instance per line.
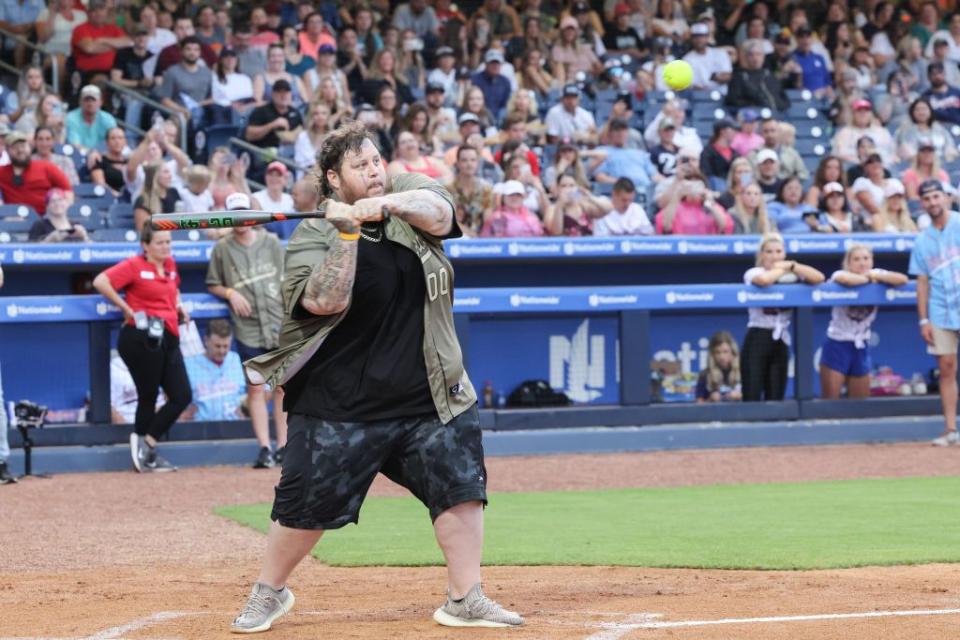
(862,184)
(851,324)
(304,153)
(531,200)
(632,222)
(563,124)
(685,138)
(713,60)
(774,318)
(283,205)
(160,40)
(237,86)
(449,82)
(59,42)
(196,202)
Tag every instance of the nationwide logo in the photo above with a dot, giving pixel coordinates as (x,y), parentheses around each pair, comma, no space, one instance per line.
(597,300)
(188,252)
(110,255)
(84,255)
(752,296)
(200,305)
(513,248)
(682,246)
(535,248)
(881,244)
(673,297)
(814,245)
(15,310)
(19,255)
(706,247)
(568,248)
(738,247)
(643,246)
(517,300)
(454,250)
(467,301)
(794,246)
(458,249)
(898,294)
(819,296)
(103,308)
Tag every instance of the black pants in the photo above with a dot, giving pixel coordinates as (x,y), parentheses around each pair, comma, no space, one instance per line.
(763,366)
(152,367)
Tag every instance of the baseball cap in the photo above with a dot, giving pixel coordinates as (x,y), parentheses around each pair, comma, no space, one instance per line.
(767,154)
(666,123)
(927,186)
(940,42)
(90,91)
(893,188)
(326,48)
(803,30)
(782,38)
(748,115)
(580,7)
(16,136)
(513,187)
(571,90)
(444,51)
(569,22)
(139,30)
(227,52)
(832,187)
(237,201)
(925,143)
(621,9)
(468,117)
(861,103)
(699,29)
(277,166)
(433,87)
(493,55)
(282,85)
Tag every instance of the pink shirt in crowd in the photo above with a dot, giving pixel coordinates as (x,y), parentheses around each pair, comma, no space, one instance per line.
(691,219)
(512,224)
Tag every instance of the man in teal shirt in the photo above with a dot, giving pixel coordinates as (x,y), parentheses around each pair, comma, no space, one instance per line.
(88,124)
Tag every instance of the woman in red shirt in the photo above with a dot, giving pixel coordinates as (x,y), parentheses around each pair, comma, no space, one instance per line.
(149,341)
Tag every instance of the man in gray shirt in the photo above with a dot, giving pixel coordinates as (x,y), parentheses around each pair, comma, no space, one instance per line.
(416,16)
(186,86)
(251,61)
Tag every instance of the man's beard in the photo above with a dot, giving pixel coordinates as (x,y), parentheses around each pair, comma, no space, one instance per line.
(20,164)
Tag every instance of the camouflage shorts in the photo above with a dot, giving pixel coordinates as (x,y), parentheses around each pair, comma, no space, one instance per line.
(329,466)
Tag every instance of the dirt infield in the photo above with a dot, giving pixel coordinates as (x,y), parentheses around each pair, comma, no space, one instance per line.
(124,556)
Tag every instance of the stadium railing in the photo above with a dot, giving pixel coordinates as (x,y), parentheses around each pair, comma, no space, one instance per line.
(134,95)
(628,312)
(37,51)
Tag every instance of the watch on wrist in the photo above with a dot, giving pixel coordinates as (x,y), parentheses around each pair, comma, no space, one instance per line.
(924,321)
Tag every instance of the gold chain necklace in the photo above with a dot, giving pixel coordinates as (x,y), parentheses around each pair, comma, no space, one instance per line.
(376,238)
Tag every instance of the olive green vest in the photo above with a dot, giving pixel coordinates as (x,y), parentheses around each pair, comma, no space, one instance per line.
(302,333)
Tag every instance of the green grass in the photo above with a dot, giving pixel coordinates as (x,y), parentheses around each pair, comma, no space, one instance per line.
(763,526)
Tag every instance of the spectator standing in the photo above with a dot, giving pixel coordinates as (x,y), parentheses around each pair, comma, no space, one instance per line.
(246,268)
(55,226)
(43,143)
(845,356)
(933,262)
(472,195)
(216,377)
(766,347)
(569,121)
(273,197)
(149,341)
(863,124)
(788,212)
(692,211)
(943,99)
(626,217)
(21,105)
(88,124)
(752,85)
(711,65)
(621,162)
(94,43)
(129,71)
(720,380)
(5,476)
(26,180)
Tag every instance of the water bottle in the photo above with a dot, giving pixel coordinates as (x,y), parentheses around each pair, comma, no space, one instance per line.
(487,395)
(501,400)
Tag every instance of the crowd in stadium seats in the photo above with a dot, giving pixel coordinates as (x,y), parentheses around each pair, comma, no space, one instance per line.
(835,113)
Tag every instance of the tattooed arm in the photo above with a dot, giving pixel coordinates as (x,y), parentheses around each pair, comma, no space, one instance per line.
(328,288)
(422,208)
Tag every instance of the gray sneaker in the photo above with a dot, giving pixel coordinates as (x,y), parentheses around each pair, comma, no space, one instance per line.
(157,463)
(138,451)
(264,605)
(475,610)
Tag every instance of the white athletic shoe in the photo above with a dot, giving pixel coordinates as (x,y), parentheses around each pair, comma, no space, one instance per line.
(263,607)
(948,439)
(475,610)
(137,446)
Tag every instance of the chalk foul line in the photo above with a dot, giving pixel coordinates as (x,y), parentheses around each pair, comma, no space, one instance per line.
(630,625)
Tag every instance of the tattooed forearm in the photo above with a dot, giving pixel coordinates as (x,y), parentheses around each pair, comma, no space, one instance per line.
(423,209)
(330,283)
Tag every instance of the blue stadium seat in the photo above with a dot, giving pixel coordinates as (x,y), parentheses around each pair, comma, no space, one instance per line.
(120,216)
(812,146)
(602,188)
(803,110)
(91,223)
(88,190)
(83,210)
(184,235)
(114,235)
(17,218)
(219,135)
(812,128)
(700,95)
(799,96)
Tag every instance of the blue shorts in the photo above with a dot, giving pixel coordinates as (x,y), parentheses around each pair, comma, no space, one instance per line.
(246,351)
(844,357)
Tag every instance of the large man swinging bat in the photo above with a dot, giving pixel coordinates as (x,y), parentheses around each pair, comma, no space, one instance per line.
(227,218)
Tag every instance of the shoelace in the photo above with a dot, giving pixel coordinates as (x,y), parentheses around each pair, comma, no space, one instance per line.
(257,604)
(484,605)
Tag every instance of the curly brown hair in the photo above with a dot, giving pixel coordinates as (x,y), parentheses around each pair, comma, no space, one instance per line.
(348,137)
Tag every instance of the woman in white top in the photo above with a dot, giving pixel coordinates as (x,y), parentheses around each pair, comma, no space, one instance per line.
(277,70)
(308,141)
(231,90)
(868,188)
(55,26)
(845,357)
(273,198)
(766,347)
(894,215)
(327,68)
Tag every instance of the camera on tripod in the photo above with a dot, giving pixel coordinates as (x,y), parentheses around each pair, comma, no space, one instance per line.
(28,415)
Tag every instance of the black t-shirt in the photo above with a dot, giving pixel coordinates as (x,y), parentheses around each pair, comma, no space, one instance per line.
(769,191)
(42,228)
(371,366)
(168,204)
(113,171)
(665,159)
(130,64)
(268,113)
(621,40)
